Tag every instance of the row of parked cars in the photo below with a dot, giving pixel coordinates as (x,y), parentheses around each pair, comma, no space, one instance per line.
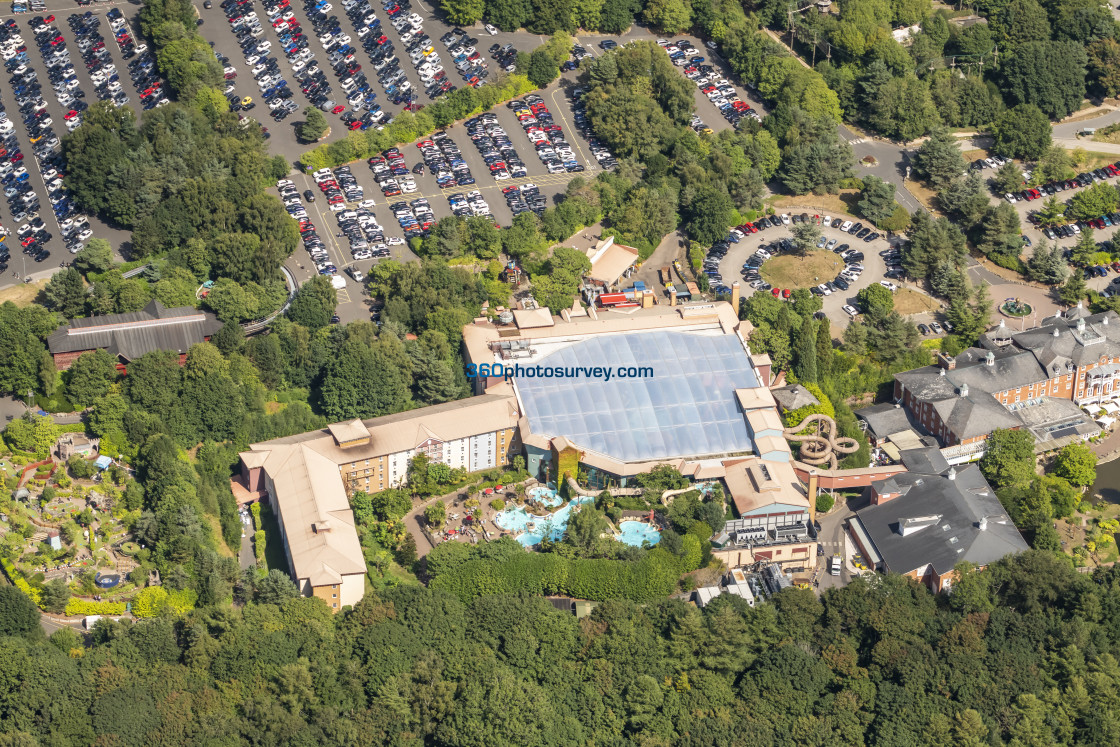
(547,137)
(470,205)
(60,69)
(495,147)
(1084,179)
(369,33)
(312,242)
(524,198)
(338,187)
(391,173)
(711,83)
(465,56)
(445,161)
(601,153)
(415,218)
(365,234)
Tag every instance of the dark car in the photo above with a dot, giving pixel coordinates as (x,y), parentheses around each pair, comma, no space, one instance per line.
(309,195)
(923,329)
(841,283)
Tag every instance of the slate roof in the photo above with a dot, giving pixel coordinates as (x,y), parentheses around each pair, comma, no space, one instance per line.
(794,397)
(132,334)
(952,511)
(1100,335)
(884,419)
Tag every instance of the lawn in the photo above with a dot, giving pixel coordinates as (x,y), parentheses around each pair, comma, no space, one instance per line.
(801,272)
(845,202)
(22,294)
(908,301)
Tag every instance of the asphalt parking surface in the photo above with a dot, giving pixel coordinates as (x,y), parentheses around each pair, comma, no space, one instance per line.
(874,267)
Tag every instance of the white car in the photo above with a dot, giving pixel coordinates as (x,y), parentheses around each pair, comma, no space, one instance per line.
(824,289)
(785,219)
(826,222)
(491,30)
(845,226)
(1011,198)
(888,285)
(850,310)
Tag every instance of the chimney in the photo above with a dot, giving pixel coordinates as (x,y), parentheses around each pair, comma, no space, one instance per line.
(984,524)
(1056,333)
(673,297)
(814,486)
(1104,319)
(647,299)
(963,390)
(952,473)
(321,526)
(943,372)
(945,362)
(735,296)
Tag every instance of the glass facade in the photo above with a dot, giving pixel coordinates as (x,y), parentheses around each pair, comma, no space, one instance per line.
(687,407)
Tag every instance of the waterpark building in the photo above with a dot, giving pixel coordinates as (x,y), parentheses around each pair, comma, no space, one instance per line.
(308,478)
(687,409)
(128,336)
(1036,379)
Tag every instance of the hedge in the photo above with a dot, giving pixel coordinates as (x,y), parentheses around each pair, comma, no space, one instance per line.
(653,577)
(255,510)
(258,546)
(78,606)
(21,582)
(459,104)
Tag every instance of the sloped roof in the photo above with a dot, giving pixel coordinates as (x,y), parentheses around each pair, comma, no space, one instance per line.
(132,334)
(318,524)
(961,505)
(793,397)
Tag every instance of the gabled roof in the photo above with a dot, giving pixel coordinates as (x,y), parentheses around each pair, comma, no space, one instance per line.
(311,500)
(132,334)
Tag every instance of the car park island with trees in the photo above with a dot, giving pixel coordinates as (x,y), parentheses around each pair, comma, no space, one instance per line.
(707,373)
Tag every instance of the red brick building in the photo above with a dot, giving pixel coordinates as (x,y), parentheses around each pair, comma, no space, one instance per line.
(128,336)
(1034,379)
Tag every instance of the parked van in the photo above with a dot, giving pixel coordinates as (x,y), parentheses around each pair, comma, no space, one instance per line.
(834,565)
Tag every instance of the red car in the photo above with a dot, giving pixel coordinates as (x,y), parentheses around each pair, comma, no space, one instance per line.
(356,124)
(70,115)
(338,110)
(776,292)
(786,293)
(48,19)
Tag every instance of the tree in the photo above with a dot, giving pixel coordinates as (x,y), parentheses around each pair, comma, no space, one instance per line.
(314,303)
(1104,66)
(1076,463)
(1046,264)
(463,12)
(1074,290)
(586,527)
(617,15)
(876,199)
(1082,253)
(669,16)
(805,237)
(939,160)
(805,364)
(1099,199)
(708,215)
(1022,132)
(1055,165)
(999,231)
(1009,458)
(903,108)
(66,293)
(18,614)
(314,125)
(1047,74)
(90,377)
(365,381)
(95,256)
(542,68)
(1009,178)
(966,197)
(1052,213)
(32,433)
(55,596)
(275,588)
(508,15)
(435,514)
(876,299)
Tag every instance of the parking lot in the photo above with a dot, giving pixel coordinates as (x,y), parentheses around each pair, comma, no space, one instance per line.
(874,268)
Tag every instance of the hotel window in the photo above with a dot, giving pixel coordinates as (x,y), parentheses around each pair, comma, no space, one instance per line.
(334,596)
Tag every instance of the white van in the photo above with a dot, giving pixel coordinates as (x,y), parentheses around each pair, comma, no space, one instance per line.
(834,565)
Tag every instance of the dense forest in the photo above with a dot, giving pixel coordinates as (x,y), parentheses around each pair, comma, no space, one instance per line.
(1024,653)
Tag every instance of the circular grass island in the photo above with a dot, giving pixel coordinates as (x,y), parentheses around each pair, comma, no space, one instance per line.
(791,271)
(1015,308)
(128,548)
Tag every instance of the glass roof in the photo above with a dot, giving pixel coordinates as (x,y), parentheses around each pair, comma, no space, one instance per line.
(687,408)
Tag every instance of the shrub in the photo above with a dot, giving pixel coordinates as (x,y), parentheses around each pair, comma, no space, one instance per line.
(498,504)
(258,546)
(255,510)
(824,503)
(78,606)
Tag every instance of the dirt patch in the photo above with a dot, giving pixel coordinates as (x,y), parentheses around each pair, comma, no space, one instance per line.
(843,203)
(974,155)
(273,407)
(925,195)
(22,294)
(1009,275)
(801,272)
(908,301)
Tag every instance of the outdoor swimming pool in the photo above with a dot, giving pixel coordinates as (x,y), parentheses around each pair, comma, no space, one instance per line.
(637,532)
(545,495)
(517,520)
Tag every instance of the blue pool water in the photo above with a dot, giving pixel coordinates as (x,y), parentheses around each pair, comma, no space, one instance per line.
(637,532)
(545,495)
(517,519)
